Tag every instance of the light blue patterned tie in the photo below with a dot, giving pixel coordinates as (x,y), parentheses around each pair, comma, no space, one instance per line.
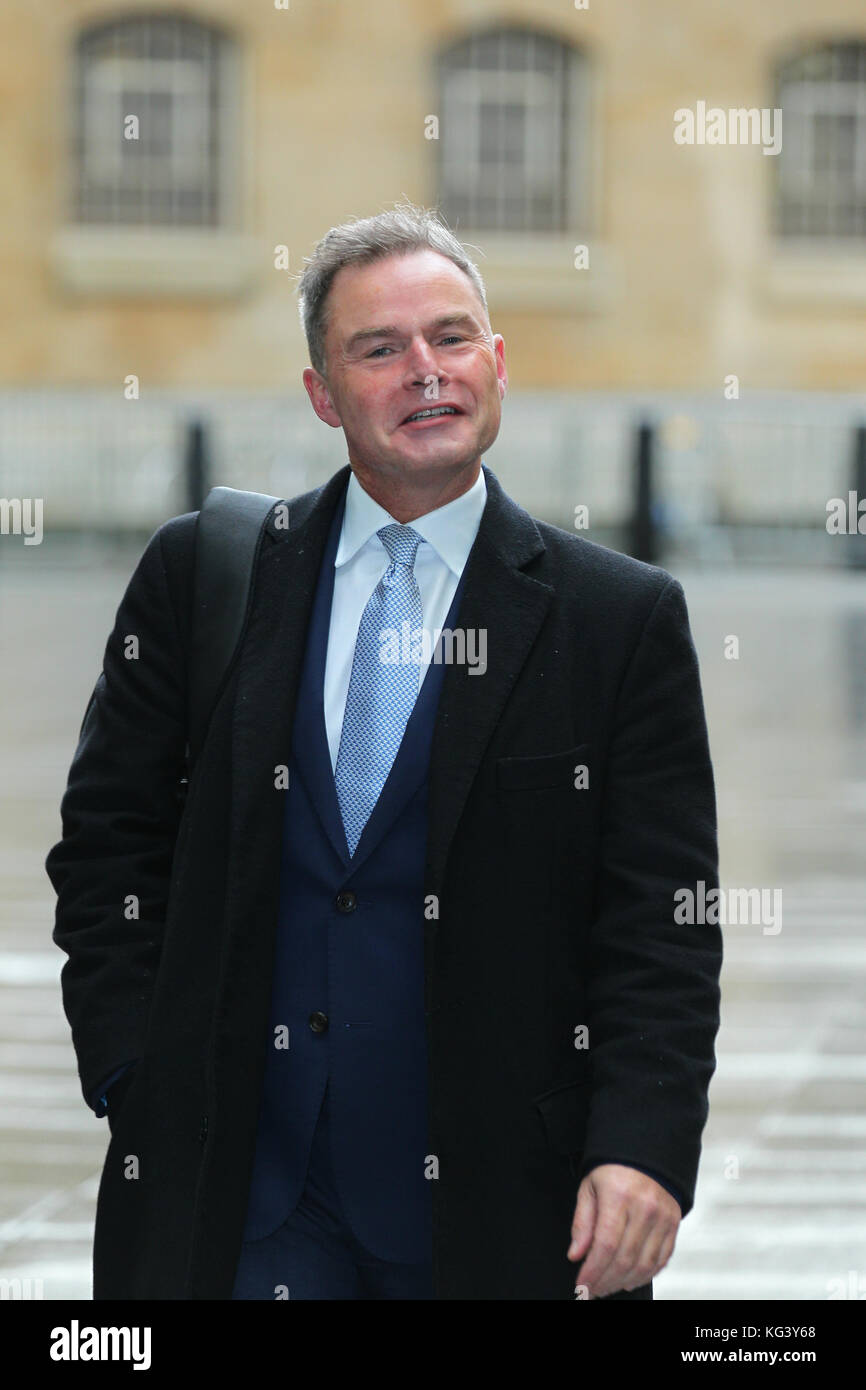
(381,694)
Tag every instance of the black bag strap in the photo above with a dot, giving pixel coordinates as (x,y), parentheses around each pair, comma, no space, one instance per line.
(229,531)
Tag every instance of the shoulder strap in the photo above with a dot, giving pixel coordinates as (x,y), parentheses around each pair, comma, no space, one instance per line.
(229,531)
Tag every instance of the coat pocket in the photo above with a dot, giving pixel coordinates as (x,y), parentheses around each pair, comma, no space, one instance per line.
(564,1112)
(123,1098)
(117,1094)
(546,770)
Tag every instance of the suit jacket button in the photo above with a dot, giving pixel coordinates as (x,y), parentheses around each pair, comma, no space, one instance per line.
(318,1022)
(346,901)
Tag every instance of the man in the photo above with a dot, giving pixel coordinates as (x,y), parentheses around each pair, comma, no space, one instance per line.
(396,1005)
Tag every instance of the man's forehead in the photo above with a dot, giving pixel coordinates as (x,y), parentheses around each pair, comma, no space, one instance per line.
(451,298)
(422,264)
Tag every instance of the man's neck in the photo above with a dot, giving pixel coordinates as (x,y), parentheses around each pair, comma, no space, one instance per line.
(405,501)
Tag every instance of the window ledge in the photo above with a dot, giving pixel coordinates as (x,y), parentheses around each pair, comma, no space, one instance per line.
(538,272)
(148,261)
(806,274)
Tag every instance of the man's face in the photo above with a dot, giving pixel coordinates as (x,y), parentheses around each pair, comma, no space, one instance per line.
(408,333)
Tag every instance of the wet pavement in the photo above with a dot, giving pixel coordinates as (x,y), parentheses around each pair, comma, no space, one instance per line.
(781,1201)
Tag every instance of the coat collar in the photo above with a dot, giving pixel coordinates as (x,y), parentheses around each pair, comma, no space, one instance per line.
(498,597)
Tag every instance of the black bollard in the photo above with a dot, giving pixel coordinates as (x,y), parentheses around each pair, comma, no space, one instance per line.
(642,532)
(196,466)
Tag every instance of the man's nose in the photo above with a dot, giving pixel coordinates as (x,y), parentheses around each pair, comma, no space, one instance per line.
(422,360)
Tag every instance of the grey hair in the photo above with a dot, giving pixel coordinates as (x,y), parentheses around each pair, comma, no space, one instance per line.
(361,240)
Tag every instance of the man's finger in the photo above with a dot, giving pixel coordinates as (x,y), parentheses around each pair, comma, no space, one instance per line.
(584,1221)
(655,1254)
(610,1226)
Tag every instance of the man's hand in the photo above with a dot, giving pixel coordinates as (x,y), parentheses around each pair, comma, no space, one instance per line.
(625,1224)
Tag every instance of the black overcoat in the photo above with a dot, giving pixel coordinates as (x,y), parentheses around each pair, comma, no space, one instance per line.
(570,1018)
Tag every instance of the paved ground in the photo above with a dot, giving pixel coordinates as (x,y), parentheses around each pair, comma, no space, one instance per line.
(781,1207)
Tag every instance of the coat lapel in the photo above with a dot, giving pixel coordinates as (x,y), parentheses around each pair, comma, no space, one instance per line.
(311,755)
(269,672)
(511,606)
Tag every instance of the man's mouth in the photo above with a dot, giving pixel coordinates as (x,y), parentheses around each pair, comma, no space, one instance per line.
(431,413)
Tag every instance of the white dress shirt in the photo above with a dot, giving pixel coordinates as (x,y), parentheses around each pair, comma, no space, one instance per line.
(448,534)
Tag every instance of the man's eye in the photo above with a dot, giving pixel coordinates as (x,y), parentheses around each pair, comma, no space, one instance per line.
(451,338)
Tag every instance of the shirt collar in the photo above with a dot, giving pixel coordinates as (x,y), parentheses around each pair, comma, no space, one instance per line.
(450,529)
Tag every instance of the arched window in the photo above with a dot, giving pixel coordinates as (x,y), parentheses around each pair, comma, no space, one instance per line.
(154,108)
(513,137)
(821,174)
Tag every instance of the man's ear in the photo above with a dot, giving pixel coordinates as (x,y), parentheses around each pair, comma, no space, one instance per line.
(320,397)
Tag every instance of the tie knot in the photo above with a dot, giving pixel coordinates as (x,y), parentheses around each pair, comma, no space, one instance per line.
(401,543)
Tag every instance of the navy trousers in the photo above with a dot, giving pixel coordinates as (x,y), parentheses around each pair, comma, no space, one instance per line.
(314,1253)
